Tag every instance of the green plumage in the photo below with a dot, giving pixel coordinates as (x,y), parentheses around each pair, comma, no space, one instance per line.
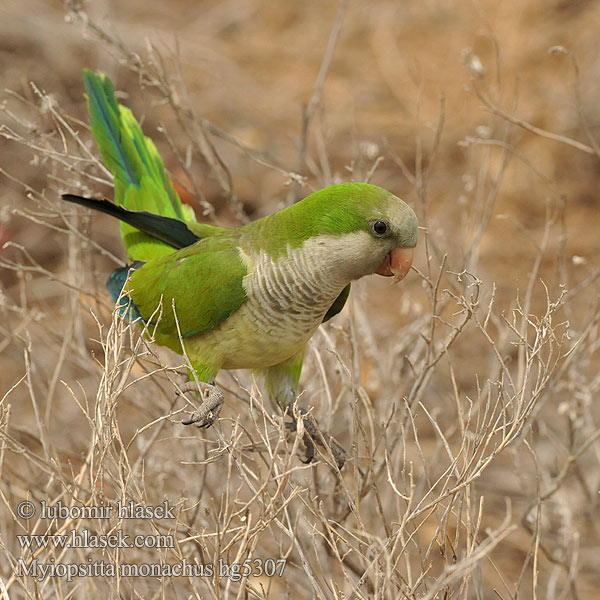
(140,180)
(210,271)
(249,297)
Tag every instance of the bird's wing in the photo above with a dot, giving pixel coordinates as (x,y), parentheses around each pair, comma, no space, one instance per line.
(338,304)
(203,283)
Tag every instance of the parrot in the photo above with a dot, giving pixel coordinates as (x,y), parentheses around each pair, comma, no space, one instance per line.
(248,297)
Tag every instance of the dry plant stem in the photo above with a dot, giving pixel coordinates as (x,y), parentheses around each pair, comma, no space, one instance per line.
(43,144)
(419,179)
(531,128)
(472,257)
(578,100)
(535,541)
(310,109)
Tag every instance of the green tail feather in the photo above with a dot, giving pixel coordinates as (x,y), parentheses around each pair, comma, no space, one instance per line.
(140,180)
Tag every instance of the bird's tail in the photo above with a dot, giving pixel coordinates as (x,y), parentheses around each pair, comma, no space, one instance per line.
(140,180)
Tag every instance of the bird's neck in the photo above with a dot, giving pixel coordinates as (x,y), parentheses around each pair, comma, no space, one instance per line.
(304,282)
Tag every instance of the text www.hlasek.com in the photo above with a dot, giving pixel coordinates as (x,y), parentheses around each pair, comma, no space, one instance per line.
(85,539)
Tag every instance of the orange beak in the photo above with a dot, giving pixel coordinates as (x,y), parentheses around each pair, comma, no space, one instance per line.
(397,264)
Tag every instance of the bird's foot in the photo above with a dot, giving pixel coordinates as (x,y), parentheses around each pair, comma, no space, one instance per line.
(212,401)
(313,434)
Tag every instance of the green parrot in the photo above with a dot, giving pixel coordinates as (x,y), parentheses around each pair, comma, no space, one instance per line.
(238,298)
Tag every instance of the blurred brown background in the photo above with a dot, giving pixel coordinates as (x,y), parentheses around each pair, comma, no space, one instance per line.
(250,68)
(458,107)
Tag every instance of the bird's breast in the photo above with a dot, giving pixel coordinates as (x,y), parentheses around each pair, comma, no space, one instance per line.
(286,302)
(293,292)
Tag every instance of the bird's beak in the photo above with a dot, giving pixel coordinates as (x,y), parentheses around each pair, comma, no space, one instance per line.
(397,264)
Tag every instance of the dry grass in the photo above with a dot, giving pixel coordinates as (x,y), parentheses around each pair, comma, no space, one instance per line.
(464,397)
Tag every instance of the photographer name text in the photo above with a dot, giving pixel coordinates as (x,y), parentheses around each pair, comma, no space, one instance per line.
(127,510)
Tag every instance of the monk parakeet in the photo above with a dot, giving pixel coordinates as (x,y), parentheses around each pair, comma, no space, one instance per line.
(242,298)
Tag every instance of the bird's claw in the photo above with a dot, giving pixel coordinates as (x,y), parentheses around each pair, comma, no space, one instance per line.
(313,434)
(212,401)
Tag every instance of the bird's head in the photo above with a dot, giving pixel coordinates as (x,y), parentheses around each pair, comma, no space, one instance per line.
(372,231)
(393,226)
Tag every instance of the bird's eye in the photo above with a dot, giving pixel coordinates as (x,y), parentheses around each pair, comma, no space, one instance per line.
(380,228)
